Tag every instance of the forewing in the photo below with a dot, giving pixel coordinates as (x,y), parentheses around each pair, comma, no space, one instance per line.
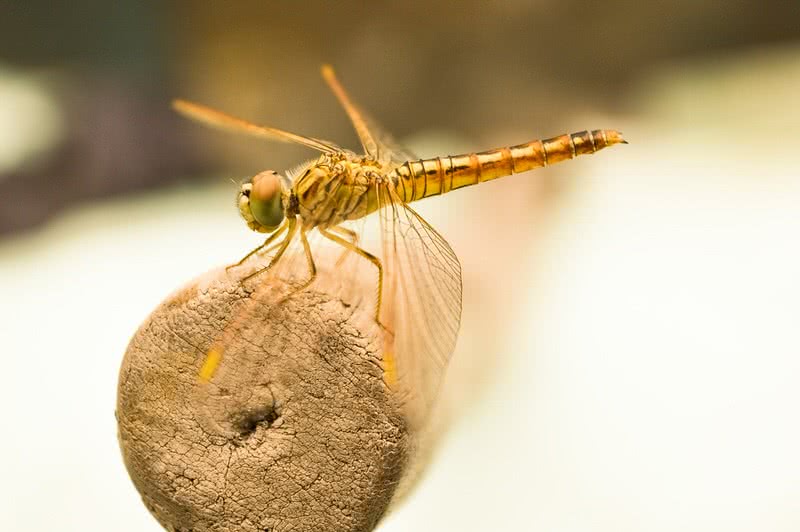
(221,120)
(390,151)
(374,139)
(421,305)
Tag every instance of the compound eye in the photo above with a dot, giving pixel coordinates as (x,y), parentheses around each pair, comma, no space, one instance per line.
(266,203)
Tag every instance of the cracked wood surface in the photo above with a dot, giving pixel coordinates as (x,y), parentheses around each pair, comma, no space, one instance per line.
(298,431)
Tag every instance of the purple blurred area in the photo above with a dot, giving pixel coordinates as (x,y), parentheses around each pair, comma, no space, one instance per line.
(492,72)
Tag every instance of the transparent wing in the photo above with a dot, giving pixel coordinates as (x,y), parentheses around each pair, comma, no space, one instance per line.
(421,304)
(374,139)
(267,281)
(420,307)
(390,151)
(215,118)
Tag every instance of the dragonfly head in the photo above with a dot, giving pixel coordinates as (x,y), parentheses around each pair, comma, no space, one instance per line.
(261,202)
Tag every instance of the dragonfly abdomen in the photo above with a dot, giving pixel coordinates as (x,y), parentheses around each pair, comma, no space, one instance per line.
(432,177)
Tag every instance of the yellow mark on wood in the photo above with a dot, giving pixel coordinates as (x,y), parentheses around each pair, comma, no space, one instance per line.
(210,365)
(389,369)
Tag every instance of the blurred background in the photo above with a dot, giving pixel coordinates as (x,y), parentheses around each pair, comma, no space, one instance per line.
(629,349)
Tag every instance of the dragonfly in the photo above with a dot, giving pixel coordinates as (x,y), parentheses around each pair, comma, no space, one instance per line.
(417,274)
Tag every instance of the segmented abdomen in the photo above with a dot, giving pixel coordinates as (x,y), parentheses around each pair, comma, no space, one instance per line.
(431,177)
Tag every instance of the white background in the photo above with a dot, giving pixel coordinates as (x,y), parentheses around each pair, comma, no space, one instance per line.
(629,356)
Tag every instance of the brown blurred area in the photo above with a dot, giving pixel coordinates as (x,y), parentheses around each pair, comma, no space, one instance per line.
(486,73)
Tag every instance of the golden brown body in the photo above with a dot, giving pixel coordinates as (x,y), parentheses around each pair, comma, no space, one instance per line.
(439,175)
(344,186)
(418,304)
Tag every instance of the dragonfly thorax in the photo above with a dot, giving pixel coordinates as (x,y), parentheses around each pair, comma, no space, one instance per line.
(336,188)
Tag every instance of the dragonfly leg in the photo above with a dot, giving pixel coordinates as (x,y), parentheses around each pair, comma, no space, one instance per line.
(367,255)
(266,243)
(347,233)
(291,227)
(312,268)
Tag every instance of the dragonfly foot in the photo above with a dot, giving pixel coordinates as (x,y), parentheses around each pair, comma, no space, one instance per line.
(251,275)
(295,291)
(383,327)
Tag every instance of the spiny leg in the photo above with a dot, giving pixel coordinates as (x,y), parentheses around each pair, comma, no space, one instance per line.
(367,255)
(291,228)
(266,243)
(263,248)
(215,353)
(347,233)
(344,231)
(312,268)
